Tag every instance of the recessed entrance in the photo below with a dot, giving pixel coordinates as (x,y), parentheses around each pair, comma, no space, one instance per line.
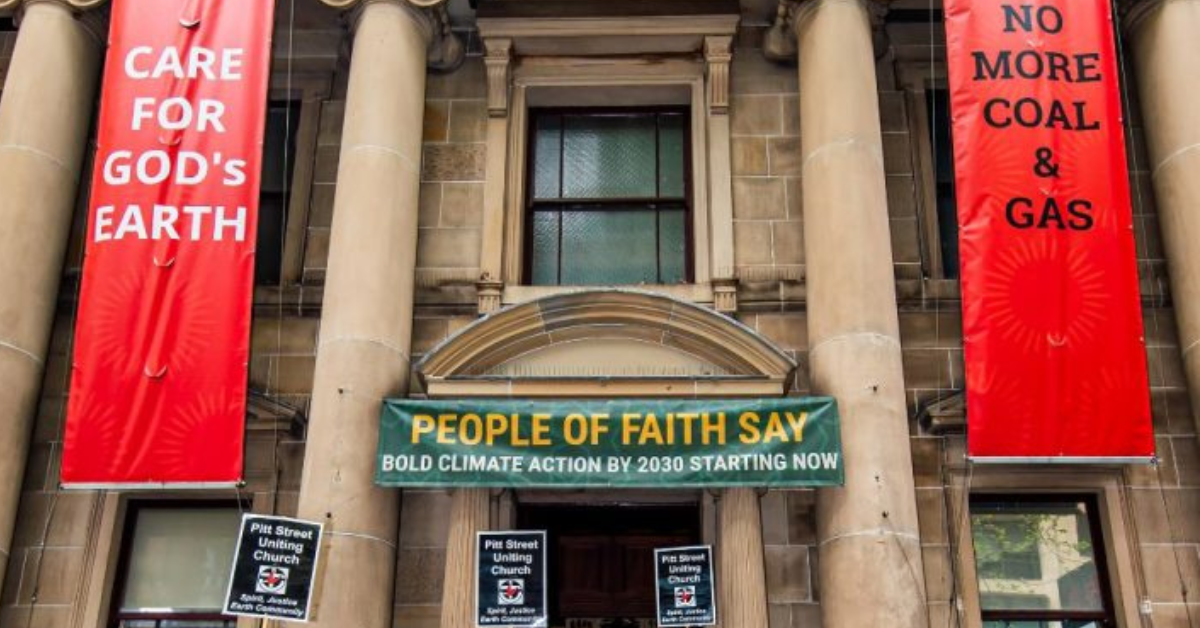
(601,558)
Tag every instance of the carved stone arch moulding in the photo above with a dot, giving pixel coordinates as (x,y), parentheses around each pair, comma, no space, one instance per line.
(606,343)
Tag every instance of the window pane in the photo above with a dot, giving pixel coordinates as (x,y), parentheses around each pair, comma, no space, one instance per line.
(948,229)
(180,558)
(279,140)
(547,154)
(609,156)
(672,246)
(544,261)
(1035,556)
(268,254)
(670,156)
(609,247)
(937,103)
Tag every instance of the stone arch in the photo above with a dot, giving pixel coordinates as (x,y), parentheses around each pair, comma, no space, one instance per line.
(606,343)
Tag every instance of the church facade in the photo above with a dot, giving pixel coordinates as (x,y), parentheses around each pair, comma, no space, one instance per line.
(632,199)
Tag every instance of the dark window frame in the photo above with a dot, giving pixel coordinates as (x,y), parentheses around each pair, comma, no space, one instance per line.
(270,274)
(1105,618)
(938,97)
(128,527)
(533,204)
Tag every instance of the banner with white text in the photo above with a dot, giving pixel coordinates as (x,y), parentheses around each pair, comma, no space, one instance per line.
(158,381)
(788,441)
(1052,324)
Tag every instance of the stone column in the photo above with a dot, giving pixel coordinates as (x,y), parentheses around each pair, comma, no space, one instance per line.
(366,323)
(1166,52)
(469,513)
(870,556)
(45,111)
(742,579)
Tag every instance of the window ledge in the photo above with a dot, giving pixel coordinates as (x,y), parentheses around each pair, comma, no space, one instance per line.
(692,292)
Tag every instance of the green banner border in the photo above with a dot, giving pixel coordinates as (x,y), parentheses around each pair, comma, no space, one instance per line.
(819,434)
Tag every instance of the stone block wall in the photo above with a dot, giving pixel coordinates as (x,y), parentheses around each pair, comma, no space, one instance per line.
(764,109)
(452,175)
(421,558)
(324,184)
(902,187)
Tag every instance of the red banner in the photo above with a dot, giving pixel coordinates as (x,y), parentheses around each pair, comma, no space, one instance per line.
(1052,326)
(158,388)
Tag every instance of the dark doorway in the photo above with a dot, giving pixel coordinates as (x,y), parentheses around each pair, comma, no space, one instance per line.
(601,558)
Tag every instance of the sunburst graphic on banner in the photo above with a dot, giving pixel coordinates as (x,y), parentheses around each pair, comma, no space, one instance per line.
(119,307)
(195,322)
(997,388)
(1077,156)
(1044,293)
(97,427)
(177,449)
(1115,393)
(182,342)
(1006,178)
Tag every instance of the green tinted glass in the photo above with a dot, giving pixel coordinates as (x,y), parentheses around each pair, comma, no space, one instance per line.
(670,156)
(547,151)
(608,247)
(672,246)
(608,156)
(544,261)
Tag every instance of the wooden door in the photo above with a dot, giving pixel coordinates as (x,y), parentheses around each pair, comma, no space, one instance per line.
(602,558)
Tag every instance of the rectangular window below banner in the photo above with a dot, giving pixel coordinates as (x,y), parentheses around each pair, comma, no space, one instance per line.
(1039,562)
(175,565)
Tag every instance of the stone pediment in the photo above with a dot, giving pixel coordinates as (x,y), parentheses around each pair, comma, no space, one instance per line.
(606,343)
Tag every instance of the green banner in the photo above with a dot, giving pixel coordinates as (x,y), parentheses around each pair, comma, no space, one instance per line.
(780,442)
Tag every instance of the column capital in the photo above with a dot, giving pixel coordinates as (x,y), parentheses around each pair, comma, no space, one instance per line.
(779,43)
(1132,13)
(446,51)
(76,6)
(92,15)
